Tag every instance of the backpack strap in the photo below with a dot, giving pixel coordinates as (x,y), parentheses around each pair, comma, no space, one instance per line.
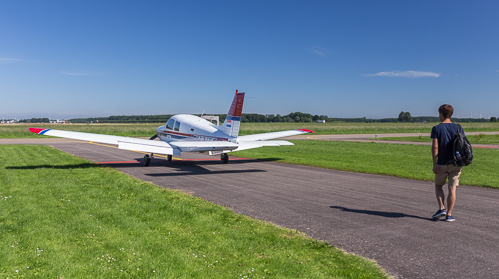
(459,129)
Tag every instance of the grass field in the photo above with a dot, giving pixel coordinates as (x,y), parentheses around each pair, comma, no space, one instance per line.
(481,138)
(407,161)
(64,217)
(147,130)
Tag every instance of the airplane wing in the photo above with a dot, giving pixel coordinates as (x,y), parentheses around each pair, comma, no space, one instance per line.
(158,147)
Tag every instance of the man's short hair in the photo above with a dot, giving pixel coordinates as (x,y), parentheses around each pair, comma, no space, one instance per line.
(446,110)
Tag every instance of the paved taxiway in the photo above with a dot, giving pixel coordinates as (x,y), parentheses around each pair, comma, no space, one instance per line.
(379,138)
(382,218)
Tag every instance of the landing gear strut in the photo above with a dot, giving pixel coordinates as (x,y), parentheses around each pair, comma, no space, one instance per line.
(224,157)
(147,159)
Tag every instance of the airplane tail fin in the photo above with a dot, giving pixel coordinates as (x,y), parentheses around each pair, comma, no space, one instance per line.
(233,119)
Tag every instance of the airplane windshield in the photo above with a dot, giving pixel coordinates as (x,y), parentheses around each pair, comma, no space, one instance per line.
(169,124)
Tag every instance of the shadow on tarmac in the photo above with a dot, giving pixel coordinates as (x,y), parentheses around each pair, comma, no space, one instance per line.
(196,167)
(180,164)
(62,167)
(380,213)
(200,171)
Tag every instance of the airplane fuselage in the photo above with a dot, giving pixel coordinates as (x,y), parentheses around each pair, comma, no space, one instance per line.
(186,127)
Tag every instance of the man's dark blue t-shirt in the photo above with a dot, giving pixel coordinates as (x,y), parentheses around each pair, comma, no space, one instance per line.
(444,132)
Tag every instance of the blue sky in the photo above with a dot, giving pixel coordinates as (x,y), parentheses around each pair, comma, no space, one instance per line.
(340,58)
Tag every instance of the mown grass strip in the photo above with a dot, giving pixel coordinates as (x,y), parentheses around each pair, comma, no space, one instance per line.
(147,130)
(401,160)
(473,139)
(62,216)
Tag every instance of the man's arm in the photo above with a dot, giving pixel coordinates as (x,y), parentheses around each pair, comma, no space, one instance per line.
(434,154)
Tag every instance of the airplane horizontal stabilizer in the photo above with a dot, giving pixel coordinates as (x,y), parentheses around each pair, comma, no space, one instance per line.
(272,135)
(202,146)
(257,144)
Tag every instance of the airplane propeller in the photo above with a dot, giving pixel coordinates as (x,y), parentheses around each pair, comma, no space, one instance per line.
(154,137)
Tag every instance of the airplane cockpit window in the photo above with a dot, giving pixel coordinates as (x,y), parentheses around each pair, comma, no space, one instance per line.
(169,124)
(177,126)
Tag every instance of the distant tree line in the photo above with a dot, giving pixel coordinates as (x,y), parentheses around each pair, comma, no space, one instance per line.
(296,117)
(35,120)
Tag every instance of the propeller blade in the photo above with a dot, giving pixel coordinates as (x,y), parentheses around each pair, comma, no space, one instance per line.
(153,137)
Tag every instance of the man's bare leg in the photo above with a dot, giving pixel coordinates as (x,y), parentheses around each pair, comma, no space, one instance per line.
(439,192)
(451,199)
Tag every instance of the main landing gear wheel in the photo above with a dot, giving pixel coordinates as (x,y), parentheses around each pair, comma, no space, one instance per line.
(224,157)
(169,157)
(147,159)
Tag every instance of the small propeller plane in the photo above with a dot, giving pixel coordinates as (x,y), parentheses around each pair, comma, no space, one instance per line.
(188,133)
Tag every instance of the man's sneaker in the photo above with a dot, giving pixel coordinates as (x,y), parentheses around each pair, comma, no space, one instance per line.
(440,213)
(450,219)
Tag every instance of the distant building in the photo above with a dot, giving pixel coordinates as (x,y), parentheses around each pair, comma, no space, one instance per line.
(321,121)
(212,118)
(58,121)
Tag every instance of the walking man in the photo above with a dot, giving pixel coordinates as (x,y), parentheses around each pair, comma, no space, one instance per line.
(443,165)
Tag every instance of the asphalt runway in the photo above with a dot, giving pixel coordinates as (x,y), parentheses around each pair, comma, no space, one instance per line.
(379,138)
(383,218)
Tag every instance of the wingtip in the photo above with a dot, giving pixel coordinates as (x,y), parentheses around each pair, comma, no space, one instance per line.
(306,130)
(37,130)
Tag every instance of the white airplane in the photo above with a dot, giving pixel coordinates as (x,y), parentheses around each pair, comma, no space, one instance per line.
(188,133)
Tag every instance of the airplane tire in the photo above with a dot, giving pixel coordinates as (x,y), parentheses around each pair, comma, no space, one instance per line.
(225,158)
(147,160)
(169,157)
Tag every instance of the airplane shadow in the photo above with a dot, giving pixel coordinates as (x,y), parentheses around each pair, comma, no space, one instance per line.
(198,167)
(380,213)
(62,167)
(183,167)
(200,171)
(162,162)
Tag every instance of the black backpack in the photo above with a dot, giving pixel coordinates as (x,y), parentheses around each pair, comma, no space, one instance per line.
(461,149)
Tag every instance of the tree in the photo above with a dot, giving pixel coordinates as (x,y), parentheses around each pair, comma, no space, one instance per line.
(401,116)
(405,117)
(493,119)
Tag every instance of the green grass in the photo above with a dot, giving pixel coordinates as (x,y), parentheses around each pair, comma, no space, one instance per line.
(358,128)
(481,138)
(401,160)
(147,130)
(64,217)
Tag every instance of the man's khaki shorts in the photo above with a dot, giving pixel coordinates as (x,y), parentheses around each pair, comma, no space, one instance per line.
(450,171)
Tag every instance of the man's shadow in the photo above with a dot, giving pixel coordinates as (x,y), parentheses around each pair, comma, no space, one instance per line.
(380,213)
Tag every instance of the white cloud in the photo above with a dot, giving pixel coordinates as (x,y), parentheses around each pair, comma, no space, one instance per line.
(74,74)
(6,60)
(318,50)
(408,74)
